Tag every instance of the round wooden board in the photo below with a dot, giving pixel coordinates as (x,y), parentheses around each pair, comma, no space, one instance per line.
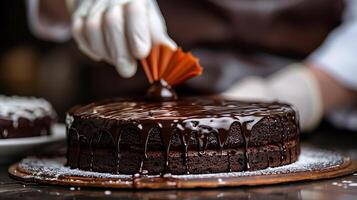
(346,168)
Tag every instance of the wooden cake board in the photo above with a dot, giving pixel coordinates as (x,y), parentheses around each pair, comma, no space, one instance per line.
(346,168)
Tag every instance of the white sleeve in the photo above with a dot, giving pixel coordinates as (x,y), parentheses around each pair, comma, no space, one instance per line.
(45,28)
(338,54)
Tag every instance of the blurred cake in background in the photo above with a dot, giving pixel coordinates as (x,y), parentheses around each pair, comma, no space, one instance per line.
(25,117)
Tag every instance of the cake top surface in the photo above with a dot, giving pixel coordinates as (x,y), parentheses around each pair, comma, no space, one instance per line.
(15,107)
(184,108)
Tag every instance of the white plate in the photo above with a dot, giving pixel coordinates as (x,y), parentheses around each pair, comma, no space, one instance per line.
(11,148)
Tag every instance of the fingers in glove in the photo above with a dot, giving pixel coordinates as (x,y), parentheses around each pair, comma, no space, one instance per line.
(78,29)
(157,27)
(116,39)
(137,28)
(94,30)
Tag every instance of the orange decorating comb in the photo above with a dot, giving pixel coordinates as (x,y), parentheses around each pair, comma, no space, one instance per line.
(173,66)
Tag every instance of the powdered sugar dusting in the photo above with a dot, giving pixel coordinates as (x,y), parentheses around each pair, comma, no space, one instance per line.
(31,108)
(54,168)
(310,160)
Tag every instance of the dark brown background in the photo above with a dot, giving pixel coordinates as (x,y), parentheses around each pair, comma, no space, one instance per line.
(232,38)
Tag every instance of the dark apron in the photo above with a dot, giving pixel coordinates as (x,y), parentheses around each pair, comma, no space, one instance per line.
(289,27)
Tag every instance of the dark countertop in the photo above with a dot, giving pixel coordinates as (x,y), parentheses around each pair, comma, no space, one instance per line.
(326,138)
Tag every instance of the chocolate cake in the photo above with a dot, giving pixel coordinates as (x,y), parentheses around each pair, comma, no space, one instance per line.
(25,117)
(190,135)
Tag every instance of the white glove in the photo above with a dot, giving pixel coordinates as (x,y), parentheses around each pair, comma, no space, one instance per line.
(118,31)
(294,84)
(43,27)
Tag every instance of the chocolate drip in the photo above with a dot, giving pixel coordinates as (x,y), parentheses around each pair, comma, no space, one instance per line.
(118,153)
(247,123)
(82,142)
(161,91)
(197,122)
(91,155)
(144,137)
(283,136)
(185,138)
(166,132)
(73,140)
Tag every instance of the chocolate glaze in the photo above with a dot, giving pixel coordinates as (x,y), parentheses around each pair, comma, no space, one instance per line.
(115,121)
(161,91)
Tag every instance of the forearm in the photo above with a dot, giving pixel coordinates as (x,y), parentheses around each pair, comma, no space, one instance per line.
(333,93)
(334,64)
(54,10)
(49,19)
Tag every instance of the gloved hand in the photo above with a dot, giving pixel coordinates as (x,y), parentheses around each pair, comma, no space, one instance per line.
(118,31)
(294,84)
